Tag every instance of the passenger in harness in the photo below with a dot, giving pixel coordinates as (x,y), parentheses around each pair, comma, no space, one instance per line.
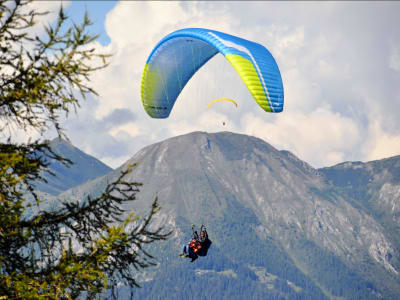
(198,245)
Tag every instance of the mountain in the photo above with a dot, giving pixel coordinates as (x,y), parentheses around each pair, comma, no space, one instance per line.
(84,168)
(280,228)
(372,187)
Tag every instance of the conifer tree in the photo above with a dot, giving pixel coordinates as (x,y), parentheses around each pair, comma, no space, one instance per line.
(80,248)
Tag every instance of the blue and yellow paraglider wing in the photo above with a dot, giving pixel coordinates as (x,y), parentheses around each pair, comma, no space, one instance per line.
(180,54)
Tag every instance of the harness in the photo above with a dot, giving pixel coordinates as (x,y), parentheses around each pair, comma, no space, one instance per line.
(195,245)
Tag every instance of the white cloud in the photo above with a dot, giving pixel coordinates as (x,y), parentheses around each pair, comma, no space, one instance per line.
(333,60)
(395,59)
(381,144)
(320,137)
(143,23)
(293,40)
(130,130)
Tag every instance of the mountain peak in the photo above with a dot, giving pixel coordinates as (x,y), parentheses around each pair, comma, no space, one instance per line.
(85,167)
(232,145)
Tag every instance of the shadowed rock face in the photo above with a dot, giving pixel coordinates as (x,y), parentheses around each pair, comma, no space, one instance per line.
(304,221)
(84,168)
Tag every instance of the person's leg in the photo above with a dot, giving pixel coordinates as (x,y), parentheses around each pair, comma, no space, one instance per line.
(184,251)
(191,254)
(194,257)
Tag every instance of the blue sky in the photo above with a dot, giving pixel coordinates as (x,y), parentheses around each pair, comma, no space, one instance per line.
(97,11)
(340,64)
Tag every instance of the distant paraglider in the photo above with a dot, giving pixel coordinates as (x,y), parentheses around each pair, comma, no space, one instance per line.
(179,55)
(221,99)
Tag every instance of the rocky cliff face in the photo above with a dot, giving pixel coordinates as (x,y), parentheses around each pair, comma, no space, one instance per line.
(317,225)
(373,188)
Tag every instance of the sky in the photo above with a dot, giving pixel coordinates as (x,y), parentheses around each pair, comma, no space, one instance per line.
(339,61)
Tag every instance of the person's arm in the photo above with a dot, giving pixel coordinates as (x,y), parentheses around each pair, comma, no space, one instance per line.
(195,235)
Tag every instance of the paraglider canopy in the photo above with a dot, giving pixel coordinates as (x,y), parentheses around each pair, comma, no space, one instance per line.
(182,53)
(221,99)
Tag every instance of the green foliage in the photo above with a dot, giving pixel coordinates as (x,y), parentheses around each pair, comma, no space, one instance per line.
(332,275)
(83,246)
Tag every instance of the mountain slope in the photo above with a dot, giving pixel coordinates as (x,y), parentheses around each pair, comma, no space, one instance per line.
(84,168)
(279,228)
(373,187)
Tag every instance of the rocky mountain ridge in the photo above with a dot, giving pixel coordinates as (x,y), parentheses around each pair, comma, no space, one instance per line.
(319,225)
(84,168)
